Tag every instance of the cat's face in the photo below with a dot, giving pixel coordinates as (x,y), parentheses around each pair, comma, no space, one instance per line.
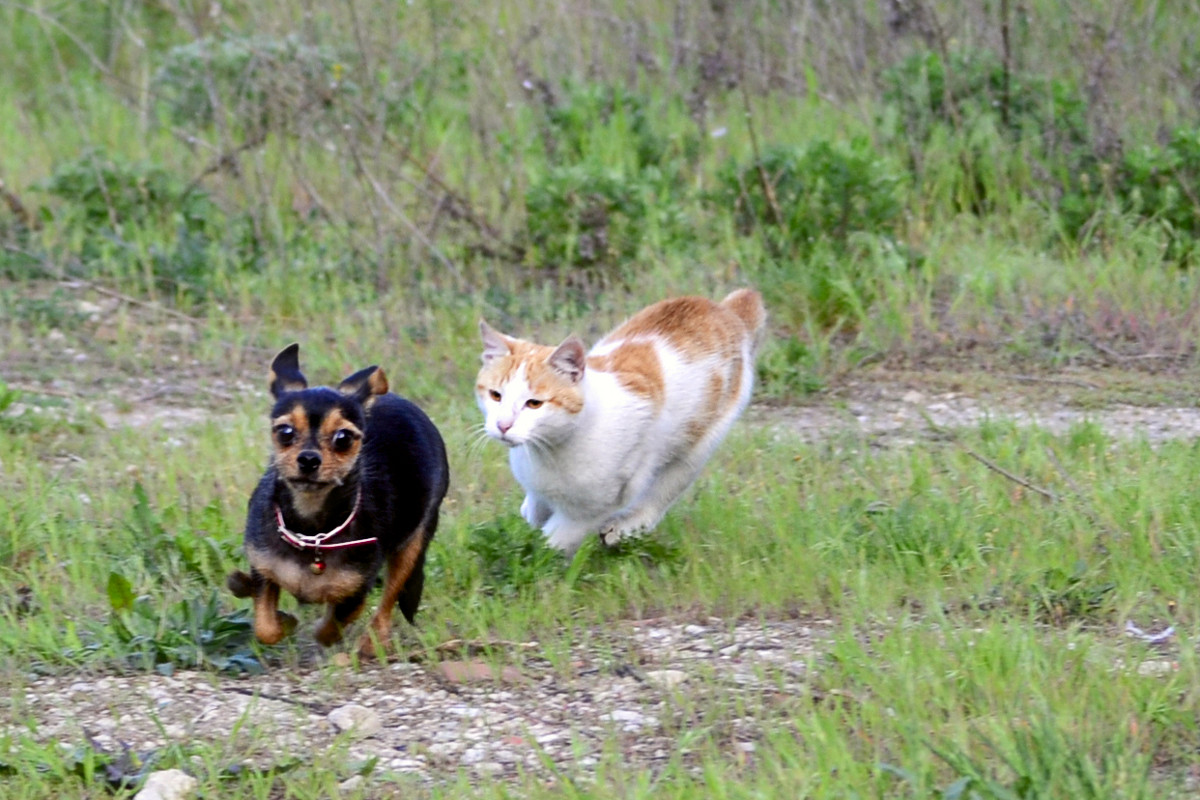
(528,393)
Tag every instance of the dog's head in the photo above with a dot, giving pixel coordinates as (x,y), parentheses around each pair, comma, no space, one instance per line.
(317,432)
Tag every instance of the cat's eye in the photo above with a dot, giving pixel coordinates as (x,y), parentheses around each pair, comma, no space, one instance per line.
(534,403)
(286,434)
(342,440)
(495,395)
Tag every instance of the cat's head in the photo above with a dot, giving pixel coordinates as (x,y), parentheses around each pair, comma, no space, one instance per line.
(529,392)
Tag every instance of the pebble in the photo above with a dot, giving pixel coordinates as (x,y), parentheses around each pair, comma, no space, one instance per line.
(1156,669)
(352,784)
(666,678)
(169,784)
(358,720)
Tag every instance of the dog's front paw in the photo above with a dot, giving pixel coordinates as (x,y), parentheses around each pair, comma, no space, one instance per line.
(369,648)
(270,631)
(328,633)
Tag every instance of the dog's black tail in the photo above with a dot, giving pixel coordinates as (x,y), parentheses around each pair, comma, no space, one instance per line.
(240,583)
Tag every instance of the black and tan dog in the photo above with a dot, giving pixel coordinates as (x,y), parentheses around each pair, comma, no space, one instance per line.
(356,478)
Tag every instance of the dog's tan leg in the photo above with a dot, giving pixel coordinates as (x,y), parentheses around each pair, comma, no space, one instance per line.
(270,624)
(338,617)
(399,568)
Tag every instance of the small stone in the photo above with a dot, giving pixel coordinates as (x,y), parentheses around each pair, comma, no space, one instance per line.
(1156,669)
(474,755)
(477,672)
(352,784)
(914,397)
(730,651)
(666,678)
(747,747)
(695,630)
(168,784)
(489,768)
(358,720)
(341,660)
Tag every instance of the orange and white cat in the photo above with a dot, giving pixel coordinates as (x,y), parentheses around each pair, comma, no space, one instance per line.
(605,441)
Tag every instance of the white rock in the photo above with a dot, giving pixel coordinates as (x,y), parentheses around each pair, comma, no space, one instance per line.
(667,678)
(1156,669)
(352,784)
(358,720)
(474,755)
(169,784)
(695,630)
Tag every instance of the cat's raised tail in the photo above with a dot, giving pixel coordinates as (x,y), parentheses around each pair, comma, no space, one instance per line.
(747,304)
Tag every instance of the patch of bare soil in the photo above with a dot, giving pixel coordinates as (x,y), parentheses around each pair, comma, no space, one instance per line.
(428,721)
(900,410)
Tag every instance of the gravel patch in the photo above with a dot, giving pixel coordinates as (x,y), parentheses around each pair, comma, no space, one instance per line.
(420,722)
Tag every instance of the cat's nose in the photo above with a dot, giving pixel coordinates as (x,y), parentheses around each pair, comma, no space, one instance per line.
(504,426)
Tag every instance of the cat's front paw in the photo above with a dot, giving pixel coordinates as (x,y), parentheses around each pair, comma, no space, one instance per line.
(615,531)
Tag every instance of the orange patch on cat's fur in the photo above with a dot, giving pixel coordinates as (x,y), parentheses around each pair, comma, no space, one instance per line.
(696,326)
(636,367)
(550,385)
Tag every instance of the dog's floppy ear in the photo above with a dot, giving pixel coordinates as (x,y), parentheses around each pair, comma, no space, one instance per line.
(285,371)
(495,344)
(365,385)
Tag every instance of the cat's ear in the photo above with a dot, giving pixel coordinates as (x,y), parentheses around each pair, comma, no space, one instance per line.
(365,385)
(495,344)
(568,359)
(285,372)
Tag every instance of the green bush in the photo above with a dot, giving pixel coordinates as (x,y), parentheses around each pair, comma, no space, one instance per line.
(109,192)
(925,91)
(610,180)
(116,210)
(1158,185)
(823,193)
(257,77)
(583,216)
(969,140)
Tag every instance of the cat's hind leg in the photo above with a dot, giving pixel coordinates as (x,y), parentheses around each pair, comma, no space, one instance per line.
(648,510)
(652,504)
(535,511)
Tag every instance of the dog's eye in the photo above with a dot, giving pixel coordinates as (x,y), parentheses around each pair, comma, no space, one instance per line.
(342,440)
(286,434)
(495,395)
(534,403)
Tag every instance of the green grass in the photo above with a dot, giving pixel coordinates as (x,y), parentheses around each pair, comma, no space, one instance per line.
(975,645)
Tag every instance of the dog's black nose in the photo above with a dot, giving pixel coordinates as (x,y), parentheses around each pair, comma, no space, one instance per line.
(308,461)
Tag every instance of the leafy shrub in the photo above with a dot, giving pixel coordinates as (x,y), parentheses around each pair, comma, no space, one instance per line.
(597,116)
(1155,184)
(134,211)
(109,192)
(961,127)
(512,556)
(610,181)
(823,193)
(189,633)
(258,77)
(582,216)
(924,91)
